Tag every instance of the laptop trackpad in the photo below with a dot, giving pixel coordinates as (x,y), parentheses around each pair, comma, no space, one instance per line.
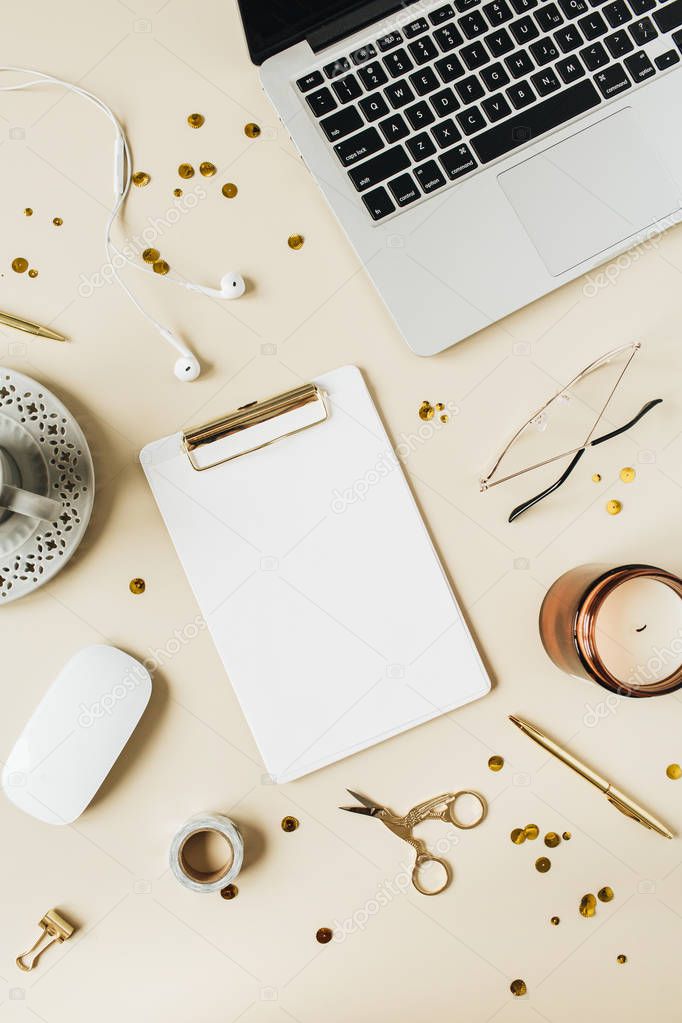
(589,192)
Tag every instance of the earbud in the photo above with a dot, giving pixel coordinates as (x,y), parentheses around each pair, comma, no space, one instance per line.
(232,285)
(187,369)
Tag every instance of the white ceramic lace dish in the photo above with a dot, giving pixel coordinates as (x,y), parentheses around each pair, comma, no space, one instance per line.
(54,460)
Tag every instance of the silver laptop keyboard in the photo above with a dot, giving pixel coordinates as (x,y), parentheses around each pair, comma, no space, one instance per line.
(468,82)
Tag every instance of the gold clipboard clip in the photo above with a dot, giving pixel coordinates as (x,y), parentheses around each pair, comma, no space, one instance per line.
(288,407)
(53,927)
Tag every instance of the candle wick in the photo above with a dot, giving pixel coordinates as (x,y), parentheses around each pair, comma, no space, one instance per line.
(643,627)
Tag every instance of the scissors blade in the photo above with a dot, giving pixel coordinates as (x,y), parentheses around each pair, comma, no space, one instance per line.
(368,808)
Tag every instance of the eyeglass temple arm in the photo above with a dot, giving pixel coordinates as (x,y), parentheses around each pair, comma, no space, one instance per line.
(521,508)
(621,429)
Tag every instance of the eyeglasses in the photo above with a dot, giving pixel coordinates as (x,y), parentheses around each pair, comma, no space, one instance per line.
(560,425)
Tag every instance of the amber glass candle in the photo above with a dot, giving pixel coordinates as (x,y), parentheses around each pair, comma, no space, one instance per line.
(620,627)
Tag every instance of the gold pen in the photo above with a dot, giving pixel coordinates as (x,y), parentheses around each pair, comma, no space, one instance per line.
(614,795)
(30,327)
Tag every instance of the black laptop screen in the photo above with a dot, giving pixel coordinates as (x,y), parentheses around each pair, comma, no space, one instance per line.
(273,25)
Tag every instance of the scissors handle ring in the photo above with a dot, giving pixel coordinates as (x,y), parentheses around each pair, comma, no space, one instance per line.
(472,824)
(421,860)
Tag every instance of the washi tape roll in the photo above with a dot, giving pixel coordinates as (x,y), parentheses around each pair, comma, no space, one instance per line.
(190,874)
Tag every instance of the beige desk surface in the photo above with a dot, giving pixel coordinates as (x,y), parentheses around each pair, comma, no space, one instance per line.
(147,949)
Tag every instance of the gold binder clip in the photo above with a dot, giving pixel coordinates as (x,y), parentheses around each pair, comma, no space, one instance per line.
(296,410)
(54,927)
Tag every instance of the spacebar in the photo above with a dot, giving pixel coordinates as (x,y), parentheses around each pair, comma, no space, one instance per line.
(535,121)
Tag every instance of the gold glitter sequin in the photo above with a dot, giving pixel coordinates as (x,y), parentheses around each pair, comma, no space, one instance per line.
(445,419)
(251,130)
(614,507)
(552,839)
(151,255)
(596,478)
(57,221)
(605,894)
(160,266)
(518,836)
(674,771)
(566,836)
(195,120)
(542,865)
(496,763)
(440,407)
(588,905)
(28,212)
(20,265)
(137,586)
(229,190)
(627,474)
(141,178)
(177,192)
(207,169)
(295,241)
(33,273)
(426,411)
(621,959)
(289,823)
(518,988)
(324,935)
(531,831)
(186,170)
(555,921)
(229,892)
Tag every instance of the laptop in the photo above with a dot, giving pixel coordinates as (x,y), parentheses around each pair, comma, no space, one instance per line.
(480,153)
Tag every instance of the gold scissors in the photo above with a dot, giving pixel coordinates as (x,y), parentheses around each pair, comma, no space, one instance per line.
(440,808)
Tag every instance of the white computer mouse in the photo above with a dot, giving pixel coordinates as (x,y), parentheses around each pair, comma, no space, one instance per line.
(76,734)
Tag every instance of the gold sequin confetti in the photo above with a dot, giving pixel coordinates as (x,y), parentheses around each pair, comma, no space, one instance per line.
(251,130)
(426,411)
(196,120)
(229,892)
(324,935)
(141,179)
(567,836)
(614,507)
(20,265)
(207,169)
(518,836)
(621,959)
(674,771)
(496,763)
(588,905)
(440,406)
(28,212)
(295,241)
(552,839)
(160,266)
(555,921)
(605,894)
(542,865)
(186,170)
(137,586)
(596,478)
(151,255)
(33,273)
(518,988)
(177,192)
(627,474)
(289,823)
(445,419)
(57,221)
(229,190)
(531,831)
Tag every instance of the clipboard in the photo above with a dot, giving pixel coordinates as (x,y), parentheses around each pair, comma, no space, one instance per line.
(315,573)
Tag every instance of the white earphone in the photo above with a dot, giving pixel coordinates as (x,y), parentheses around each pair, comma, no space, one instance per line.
(232,285)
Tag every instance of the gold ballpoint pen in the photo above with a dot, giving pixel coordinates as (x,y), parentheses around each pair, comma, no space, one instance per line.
(614,795)
(30,327)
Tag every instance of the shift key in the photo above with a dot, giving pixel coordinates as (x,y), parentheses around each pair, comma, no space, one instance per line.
(385,165)
(359,147)
(669,17)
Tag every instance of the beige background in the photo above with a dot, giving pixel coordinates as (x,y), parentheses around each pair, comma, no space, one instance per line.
(148,949)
